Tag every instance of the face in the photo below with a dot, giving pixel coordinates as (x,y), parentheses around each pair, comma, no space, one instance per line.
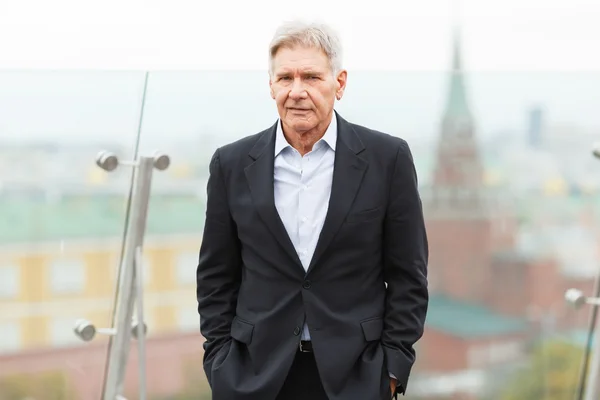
(305,89)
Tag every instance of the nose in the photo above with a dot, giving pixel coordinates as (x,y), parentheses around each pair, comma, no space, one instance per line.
(297,92)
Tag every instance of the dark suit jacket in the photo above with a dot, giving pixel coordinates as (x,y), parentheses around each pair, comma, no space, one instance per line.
(254,295)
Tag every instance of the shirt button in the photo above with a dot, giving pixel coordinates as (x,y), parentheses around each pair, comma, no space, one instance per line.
(304,219)
(296,331)
(306,284)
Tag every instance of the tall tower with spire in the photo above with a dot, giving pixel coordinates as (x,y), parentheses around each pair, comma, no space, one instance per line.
(458,174)
(459,227)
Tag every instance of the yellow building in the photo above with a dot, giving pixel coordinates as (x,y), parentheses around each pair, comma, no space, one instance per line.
(58,263)
(555,187)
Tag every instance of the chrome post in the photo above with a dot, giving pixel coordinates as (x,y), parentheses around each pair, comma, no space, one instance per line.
(577,299)
(588,386)
(139,329)
(130,290)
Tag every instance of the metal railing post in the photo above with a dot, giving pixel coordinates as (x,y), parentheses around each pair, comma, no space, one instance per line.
(130,288)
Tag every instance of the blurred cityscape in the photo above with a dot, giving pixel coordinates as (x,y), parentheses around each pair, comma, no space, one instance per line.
(512,215)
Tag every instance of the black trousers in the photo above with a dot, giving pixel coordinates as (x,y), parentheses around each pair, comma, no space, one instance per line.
(303,381)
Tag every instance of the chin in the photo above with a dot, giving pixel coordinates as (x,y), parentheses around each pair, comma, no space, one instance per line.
(301,126)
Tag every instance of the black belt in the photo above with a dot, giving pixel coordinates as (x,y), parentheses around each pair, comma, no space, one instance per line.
(306,346)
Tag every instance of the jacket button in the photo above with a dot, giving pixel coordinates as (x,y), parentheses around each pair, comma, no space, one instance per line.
(297,331)
(306,284)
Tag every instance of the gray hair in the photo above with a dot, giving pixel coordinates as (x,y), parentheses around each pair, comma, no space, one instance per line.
(316,35)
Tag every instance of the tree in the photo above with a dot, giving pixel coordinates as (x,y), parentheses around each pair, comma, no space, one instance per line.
(551,374)
(42,386)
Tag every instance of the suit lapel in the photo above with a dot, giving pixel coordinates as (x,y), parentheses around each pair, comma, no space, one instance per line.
(349,169)
(259,175)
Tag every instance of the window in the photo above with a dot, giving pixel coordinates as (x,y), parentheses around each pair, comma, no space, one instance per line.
(10,337)
(9,281)
(478,356)
(189,320)
(505,352)
(146,271)
(61,333)
(67,276)
(186,268)
(113,267)
(494,353)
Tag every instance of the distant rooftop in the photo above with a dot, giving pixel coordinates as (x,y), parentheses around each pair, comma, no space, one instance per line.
(36,219)
(470,321)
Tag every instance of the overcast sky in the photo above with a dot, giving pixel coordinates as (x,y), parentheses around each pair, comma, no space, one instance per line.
(518,53)
(378,34)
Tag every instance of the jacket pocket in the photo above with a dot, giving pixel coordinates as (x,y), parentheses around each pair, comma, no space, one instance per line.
(242,330)
(372,329)
(363,216)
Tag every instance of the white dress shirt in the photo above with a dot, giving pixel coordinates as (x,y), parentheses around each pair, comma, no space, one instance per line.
(302,187)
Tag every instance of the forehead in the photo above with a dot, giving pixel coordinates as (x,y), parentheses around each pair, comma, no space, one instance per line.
(300,58)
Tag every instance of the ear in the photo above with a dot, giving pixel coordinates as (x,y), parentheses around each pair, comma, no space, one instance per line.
(271,89)
(341,79)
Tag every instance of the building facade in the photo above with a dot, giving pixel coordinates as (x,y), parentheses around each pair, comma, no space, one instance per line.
(71,272)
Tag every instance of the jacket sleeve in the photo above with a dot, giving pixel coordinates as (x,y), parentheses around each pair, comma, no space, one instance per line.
(219,269)
(405,269)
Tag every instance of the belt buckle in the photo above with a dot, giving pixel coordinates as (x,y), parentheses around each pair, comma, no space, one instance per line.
(302,350)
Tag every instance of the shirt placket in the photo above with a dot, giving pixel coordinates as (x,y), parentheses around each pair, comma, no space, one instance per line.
(304,210)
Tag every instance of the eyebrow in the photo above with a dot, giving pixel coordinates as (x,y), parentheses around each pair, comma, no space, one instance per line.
(304,72)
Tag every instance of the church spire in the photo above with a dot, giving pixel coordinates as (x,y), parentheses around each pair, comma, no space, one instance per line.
(457,105)
(458,174)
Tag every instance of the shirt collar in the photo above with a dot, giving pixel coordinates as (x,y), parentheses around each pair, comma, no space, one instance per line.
(330,136)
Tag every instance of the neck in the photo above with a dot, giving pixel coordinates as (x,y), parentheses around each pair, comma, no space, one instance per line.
(305,140)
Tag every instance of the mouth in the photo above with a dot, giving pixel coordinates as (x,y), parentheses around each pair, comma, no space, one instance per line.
(299,109)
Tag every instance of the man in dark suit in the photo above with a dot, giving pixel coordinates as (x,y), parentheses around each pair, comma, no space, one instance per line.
(312,280)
